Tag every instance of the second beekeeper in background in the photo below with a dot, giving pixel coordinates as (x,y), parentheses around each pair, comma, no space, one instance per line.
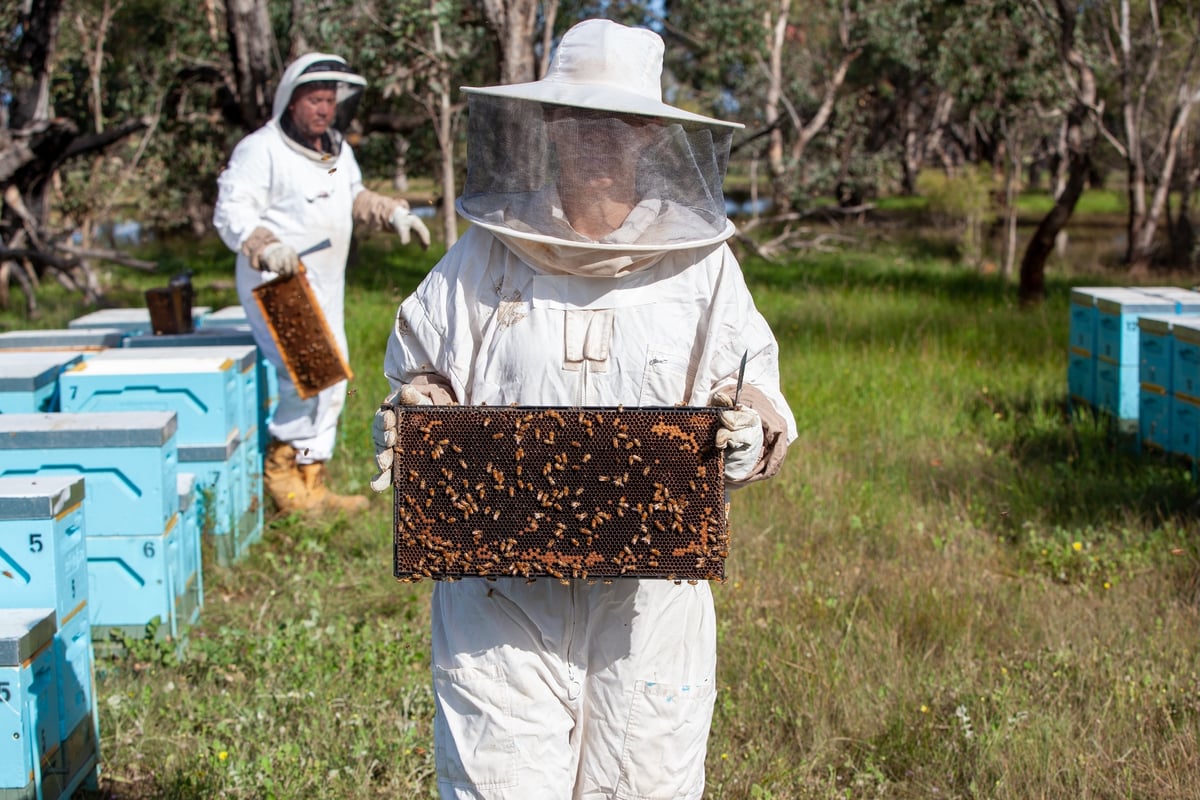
(294,187)
(595,274)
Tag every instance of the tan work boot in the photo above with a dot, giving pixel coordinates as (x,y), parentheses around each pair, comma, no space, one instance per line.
(321,498)
(282,480)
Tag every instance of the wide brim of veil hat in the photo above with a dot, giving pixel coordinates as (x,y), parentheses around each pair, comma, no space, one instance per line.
(605,66)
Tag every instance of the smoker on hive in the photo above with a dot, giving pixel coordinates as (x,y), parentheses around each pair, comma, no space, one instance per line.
(293,186)
(595,273)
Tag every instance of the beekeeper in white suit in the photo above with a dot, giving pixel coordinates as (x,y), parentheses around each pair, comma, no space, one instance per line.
(294,187)
(596,274)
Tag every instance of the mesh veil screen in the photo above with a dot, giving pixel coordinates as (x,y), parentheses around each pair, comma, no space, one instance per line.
(558,493)
(524,157)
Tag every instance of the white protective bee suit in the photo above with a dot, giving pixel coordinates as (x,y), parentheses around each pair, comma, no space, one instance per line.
(275,189)
(584,690)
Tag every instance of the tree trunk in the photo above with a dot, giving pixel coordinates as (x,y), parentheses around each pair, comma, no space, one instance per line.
(512,22)
(776,28)
(251,44)
(34,57)
(442,108)
(1033,265)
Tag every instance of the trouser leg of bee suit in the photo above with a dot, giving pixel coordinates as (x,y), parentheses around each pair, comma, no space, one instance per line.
(578,691)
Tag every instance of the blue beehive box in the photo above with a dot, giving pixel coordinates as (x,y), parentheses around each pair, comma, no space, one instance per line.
(1155,407)
(189,597)
(1084,316)
(85,339)
(243,356)
(131,582)
(43,550)
(1187,301)
(1185,426)
(1081,378)
(1156,350)
(29,739)
(1117,392)
(202,390)
(128,458)
(219,487)
(29,380)
(131,321)
(1117,323)
(1185,357)
(214,335)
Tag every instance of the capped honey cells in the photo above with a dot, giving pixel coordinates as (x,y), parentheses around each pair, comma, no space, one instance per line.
(558,493)
(301,333)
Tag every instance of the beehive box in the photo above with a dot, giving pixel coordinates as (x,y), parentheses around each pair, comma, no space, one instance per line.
(128,458)
(131,581)
(189,596)
(29,740)
(204,389)
(42,543)
(219,483)
(29,380)
(75,673)
(1117,323)
(131,321)
(150,355)
(302,335)
(267,379)
(596,493)
(87,339)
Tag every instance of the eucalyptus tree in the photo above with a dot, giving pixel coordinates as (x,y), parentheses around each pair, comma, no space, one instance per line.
(1155,48)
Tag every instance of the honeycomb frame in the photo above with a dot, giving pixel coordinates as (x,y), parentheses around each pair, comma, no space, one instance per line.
(558,493)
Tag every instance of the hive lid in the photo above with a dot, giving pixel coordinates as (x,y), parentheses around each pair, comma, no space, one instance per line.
(61,338)
(1087,295)
(1157,323)
(165,362)
(87,430)
(225,315)
(191,453)
(1130,301)
(27,371)
(201,337)
(24,631)
(126,319)
(243,355)
(39,496)
(1186,301)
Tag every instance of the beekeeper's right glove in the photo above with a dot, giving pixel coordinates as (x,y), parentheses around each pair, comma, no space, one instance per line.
(383,431)
(277,257)
(740,436)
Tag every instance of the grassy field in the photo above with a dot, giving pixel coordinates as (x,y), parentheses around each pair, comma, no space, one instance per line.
(954,589)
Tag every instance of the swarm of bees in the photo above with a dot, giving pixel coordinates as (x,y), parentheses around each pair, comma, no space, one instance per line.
(559,493)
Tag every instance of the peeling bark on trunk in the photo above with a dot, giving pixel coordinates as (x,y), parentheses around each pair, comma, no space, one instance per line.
(512,22)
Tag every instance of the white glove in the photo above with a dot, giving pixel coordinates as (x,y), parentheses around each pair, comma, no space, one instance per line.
(404,221)
(740,436)
(383,431)
(280,259)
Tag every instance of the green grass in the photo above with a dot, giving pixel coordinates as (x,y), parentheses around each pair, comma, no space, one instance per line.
(954,588)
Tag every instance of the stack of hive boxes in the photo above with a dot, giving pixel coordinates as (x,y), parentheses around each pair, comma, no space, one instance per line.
(207,389)
(130,464)
(48,717)
(1135,357)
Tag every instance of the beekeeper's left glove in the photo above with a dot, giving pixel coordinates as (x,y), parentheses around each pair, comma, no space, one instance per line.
(383,431)
(407,223)
(740,436)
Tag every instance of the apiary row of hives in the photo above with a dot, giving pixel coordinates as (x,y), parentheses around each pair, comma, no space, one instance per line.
(126,459)
(1134,359)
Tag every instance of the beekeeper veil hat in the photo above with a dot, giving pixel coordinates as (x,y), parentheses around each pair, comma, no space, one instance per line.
(597,112)
(328,70)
